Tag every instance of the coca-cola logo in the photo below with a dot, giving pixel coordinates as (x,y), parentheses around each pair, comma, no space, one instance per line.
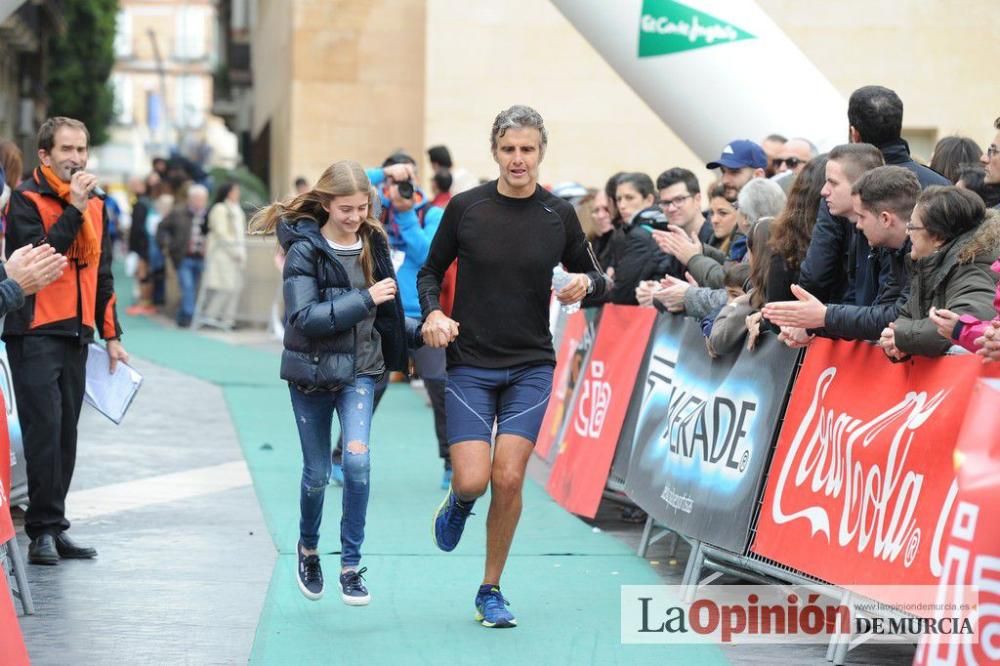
(864,466)
(593,403)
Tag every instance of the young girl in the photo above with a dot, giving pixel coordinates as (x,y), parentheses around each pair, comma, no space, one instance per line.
(344,328)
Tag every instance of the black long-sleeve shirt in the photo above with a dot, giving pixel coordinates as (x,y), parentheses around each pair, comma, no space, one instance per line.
(506,249)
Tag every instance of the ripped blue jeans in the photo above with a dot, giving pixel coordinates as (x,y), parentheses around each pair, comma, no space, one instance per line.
(314,418)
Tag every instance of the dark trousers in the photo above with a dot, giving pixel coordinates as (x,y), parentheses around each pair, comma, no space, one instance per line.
(431,366)
(49,374)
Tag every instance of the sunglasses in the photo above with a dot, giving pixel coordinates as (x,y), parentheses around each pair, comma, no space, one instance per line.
(792,162)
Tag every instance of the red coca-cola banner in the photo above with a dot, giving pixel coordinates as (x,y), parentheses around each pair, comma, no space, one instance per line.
(860,488)
(6,526)
(12,650)
(555,411)
(599,405)
(972,544)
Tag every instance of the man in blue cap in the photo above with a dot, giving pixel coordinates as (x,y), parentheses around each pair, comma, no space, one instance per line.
(741,161)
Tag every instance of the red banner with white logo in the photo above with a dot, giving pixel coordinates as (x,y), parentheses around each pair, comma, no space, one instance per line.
(11,642)
(972,542)
(860,487)
(6,526)
(12,650)
(562,388)
(600,402)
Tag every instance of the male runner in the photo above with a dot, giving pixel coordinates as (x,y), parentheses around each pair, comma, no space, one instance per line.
(507,235)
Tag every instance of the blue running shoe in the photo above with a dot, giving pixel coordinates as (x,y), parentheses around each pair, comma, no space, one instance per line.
(491,608)
(337,475)
(446,480)
(449,521)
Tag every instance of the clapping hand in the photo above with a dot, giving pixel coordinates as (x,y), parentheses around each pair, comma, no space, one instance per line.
(34,268)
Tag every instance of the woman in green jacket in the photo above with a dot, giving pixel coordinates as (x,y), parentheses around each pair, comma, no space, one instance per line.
(954,243)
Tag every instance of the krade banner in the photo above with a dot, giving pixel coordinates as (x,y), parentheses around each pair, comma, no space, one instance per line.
(861,483)
(704,432)
(972,544)
(599,404)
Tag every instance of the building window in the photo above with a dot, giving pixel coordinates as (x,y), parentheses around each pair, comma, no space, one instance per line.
(189,110)
(190,33)
(122,86)
(123,35)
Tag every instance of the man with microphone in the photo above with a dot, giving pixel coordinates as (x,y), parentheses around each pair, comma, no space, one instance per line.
(47,338)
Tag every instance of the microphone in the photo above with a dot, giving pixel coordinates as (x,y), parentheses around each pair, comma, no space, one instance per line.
(97,191)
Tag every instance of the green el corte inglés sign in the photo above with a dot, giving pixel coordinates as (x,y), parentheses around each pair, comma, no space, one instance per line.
(670,27)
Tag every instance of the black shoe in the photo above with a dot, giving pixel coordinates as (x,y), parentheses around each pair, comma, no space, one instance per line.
(43,550)
(71,551)
(310,575)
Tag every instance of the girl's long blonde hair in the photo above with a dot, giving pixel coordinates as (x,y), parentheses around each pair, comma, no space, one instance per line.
(341,179)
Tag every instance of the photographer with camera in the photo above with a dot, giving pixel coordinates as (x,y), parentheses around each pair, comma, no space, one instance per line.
(411,221)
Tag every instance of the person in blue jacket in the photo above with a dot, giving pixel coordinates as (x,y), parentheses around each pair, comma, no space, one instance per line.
(415,220)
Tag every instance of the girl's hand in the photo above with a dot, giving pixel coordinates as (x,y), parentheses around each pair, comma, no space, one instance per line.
(383,291)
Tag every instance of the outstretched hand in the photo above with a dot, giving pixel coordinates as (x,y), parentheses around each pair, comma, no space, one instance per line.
(806,311)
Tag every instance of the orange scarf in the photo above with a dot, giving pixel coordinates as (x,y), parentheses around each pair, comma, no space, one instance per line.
(86,246)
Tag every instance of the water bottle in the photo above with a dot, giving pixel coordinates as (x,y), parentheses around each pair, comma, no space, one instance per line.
(560,279)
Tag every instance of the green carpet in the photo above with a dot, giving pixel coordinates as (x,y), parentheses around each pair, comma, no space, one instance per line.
(563,579)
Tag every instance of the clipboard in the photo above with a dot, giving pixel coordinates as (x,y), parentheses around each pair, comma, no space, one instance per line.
(110,394)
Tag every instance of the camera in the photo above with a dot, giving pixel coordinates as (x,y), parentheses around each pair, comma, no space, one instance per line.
(405,188)
(653,218)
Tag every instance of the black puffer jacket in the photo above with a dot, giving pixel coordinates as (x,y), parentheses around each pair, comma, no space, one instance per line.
(322,311)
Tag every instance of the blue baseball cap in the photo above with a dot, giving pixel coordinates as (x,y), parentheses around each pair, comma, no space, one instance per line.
(739,154)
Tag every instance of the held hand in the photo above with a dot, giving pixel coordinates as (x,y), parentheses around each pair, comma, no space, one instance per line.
(439,330)
(116,353)
(888,342)
(945,320)
(80,186)
(34,268)
(383,291)
(575,290)
(672,294)
(644,292)
(989,343)
(795,338)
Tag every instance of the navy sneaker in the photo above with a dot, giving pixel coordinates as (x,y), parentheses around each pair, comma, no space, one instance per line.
(449,521)
(491,608)
(352,588)
(310,575)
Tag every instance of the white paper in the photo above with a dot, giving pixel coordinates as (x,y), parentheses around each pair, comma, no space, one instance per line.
(110,394)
